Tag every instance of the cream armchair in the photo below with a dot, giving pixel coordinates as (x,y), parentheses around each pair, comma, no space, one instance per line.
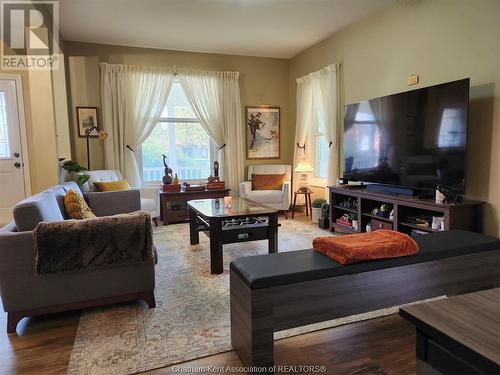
(279,199)
(150,201)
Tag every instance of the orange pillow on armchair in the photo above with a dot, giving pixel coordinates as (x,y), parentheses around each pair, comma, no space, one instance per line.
(267,181)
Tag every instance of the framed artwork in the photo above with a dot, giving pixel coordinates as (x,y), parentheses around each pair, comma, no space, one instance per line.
(262,129)
(86,118)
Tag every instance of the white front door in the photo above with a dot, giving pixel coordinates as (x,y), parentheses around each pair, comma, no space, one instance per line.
(12,188)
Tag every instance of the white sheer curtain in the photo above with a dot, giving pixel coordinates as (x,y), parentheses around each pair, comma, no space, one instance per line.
(328,86)
(215,97)
(304,120)
(133,99)
(317,102)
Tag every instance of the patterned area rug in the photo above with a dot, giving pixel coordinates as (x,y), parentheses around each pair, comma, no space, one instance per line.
(191,319)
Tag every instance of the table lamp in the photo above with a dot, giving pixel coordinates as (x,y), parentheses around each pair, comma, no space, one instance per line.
(303,170)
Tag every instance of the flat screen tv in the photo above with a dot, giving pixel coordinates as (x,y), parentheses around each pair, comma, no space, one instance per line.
(414,139)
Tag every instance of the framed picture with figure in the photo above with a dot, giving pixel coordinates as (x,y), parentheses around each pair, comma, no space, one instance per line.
(262,129)
(86,118)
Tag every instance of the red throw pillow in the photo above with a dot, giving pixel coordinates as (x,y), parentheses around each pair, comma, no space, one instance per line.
(361,247)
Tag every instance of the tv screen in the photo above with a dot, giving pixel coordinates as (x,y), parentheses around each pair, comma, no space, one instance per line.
(415,139)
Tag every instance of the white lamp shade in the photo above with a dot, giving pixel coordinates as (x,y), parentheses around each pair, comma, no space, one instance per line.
(303,169)
(304,166)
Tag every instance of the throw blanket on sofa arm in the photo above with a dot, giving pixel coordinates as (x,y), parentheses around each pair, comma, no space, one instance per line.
(72,245)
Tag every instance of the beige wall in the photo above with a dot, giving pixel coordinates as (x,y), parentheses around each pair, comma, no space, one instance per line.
(440,40)
(262,81)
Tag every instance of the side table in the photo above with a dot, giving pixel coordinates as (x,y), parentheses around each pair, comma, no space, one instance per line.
(307,195)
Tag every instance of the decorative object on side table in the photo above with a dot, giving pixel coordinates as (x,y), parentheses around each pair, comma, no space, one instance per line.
(189,187)
(316,209)
(324,221)
(214,182)
(167,178)
(262,129)
(169,184)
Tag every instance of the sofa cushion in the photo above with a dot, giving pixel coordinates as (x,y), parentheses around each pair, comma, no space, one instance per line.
(265,196)
(59,191)
(268,270)
(76,207)
(40,207)
(111,185)
(100,175)
(72,185)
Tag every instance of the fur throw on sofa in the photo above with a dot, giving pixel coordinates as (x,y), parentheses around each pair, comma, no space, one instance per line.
(72,245)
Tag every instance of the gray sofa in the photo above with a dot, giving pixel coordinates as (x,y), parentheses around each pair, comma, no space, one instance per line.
(24,293)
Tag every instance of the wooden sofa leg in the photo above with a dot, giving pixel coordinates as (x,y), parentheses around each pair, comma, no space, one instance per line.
(12,320)
(286,214)
(149,298)
(251,325)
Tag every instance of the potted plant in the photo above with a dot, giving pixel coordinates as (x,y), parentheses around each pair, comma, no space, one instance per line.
(72,167)
(324,221)
(316,209)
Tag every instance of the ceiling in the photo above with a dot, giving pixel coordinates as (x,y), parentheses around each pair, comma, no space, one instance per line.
(270,28)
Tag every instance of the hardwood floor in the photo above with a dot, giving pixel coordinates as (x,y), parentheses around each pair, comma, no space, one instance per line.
(383,346)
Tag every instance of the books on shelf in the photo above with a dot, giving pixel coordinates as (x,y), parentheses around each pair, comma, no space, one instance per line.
(343,222)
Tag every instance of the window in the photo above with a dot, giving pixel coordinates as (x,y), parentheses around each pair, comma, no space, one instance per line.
(4,139)
(179,136)
(320,146)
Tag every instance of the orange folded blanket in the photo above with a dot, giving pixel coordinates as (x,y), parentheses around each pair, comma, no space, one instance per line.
(361,247)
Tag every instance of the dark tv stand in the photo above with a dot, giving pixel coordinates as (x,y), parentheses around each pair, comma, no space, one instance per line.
(466,215)
(393,190)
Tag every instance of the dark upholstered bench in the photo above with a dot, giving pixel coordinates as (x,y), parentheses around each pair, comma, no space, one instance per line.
(274,292)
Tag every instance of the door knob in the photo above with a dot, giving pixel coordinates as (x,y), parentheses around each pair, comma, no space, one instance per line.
(16,154)
(17,164)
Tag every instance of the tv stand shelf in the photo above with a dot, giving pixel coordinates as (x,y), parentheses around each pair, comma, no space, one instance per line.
(466,215)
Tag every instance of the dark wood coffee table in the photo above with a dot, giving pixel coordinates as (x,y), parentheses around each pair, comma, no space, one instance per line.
(244,221)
